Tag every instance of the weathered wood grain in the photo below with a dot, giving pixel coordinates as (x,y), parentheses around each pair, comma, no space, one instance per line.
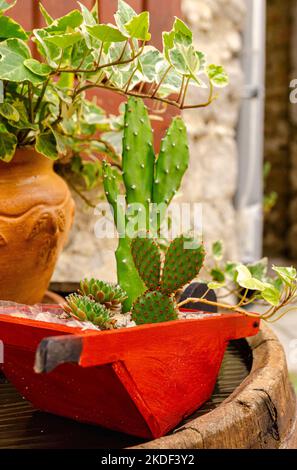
(261,413)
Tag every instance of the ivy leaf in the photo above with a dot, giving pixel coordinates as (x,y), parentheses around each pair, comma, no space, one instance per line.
(47,17)
(217,75)
(46,144)
(272,295)
(287,275)
(216,285)
(37,67)
(149,60)
(64,40)
(230,270)
(106,33)
(217,250)
(8,144)
(88,18)
(11,29)
(9,112)
(168,43)
(245,279)
(70,21)
(138,26)
(180,27)
(124,14)
(4,6)
(259,269)
(217,275)
(185,60)
(13,53)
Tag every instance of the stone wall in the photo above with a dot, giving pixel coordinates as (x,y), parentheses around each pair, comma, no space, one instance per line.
(217,26)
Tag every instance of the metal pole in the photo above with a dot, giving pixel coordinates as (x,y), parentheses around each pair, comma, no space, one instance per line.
(249,197)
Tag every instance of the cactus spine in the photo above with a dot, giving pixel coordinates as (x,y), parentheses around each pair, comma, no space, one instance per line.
(180,267)
(146,180)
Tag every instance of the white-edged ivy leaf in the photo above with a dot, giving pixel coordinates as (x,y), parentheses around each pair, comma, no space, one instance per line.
(180,27)
(287,274)
(123,15)
(259,269)
(70,21)
(217,75)
(9,112)
(64,40)
(11,29)
(37,67)
(216,285)
(168,43)
(88,18)
(13,53)
(138,27)
(46,144)
(245,279)
(4,6)
(8,144)
(217,250)
(106,33)
(272,295)
(149,60)
(47,17)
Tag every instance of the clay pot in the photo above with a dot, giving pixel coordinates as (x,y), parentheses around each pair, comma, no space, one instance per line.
(36,213)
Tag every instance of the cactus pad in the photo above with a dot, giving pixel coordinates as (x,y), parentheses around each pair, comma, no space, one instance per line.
(181,265)
(172,162)
(85,309)
(110,295)
(147,258)
(154,307)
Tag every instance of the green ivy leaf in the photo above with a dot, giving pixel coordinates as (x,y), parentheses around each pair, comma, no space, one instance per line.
(13,53)
(64,40)
(230,270)
(70,21)
(217,275)
(149,61)
(216,285)
(88,18)
(272,295)
(180,27)
(8,144)
(287,275)
(259,269)
(47,17)
(37,67)
(46,144)
(9,112)
(124,14)
(4,6)
(11,29)
(217,250)
(106,33)
(217,75)
(138,27)
(168,43)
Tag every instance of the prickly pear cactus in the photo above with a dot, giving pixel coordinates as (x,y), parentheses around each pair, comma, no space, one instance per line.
(154,307)
(172,162)
(181,265)
(138,154)
(147,259)
(110,295)
(85,309)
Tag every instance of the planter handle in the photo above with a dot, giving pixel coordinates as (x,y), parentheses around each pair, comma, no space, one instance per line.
(57,350)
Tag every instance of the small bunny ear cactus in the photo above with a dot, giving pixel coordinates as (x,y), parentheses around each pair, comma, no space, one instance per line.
(180,267)
(148,182)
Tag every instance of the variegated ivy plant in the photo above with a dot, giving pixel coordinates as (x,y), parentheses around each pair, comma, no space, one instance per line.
(45,103)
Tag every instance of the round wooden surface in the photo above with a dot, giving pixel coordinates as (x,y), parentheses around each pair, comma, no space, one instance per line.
(260,413)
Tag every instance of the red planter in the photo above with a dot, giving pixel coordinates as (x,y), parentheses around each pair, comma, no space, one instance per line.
(142,381)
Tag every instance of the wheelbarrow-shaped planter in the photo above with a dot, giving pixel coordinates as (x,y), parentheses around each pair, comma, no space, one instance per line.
(141,381)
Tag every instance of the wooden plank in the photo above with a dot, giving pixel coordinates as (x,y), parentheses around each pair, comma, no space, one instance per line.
(162,15)
(23,13)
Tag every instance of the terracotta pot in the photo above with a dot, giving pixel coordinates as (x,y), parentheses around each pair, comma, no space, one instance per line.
(36,213)
(142,381)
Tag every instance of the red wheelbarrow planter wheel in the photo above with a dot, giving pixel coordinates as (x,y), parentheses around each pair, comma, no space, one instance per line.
(141,381)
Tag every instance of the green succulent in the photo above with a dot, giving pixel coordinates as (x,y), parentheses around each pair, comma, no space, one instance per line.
(83,308)
(110,295)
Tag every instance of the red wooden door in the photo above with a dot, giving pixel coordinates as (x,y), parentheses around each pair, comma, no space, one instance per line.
(162,12)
